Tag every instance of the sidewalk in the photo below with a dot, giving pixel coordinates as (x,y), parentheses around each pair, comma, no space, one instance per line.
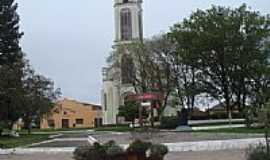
(217,155)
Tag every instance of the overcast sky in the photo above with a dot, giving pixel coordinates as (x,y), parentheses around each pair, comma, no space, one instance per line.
(68,40)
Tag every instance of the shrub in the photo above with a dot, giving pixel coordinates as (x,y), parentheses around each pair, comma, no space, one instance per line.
(89,153)
(199,117)
(224,115)
(3,126)
(139,147)
(158,151)
(98,152)
(169,122)
(112,149)
(258,153)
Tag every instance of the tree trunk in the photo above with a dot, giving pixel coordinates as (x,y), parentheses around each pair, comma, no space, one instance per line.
(267,141)
(29,128)
(133,123)
(152,117)
(163,106)
(229,107)
(27,122)
(140,116)
(267,133)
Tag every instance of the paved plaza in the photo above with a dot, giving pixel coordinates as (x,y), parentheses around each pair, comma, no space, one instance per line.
(169,137)
(61,146)
(81,138)
(217,155)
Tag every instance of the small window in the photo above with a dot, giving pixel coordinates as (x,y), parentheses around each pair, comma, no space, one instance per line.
(125,1)
(96,108)
(51,123)
(79,121)
(105,102)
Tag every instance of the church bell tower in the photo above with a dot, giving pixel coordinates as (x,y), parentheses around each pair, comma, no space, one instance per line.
(116,79)
(128,21)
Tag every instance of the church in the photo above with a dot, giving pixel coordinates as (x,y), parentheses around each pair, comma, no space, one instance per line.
(116,86)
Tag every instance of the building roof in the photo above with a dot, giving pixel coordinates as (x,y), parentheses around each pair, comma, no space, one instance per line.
(76,101)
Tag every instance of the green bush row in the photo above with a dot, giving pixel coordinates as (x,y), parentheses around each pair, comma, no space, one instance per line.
(111,151)
(169,122)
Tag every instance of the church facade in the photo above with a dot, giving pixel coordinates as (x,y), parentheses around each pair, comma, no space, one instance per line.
(116,84)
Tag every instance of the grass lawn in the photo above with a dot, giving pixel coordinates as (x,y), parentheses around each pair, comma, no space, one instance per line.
(236,130)
(23,140)
(115,129)
(50,131)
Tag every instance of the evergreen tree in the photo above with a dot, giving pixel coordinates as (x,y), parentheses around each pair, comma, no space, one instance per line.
(11,63)
(10,51)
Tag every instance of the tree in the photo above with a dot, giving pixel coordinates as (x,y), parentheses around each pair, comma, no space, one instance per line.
(152,68)
(10,50)
(161,51)
(11,96)
(23,94)
(264,119)
(39,97)
(130,111)
(11,63)
(183,77)
(160,69)
(223,45)
(259,89)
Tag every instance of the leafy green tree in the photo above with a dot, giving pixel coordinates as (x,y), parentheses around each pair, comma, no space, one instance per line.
(152,68)
(39,97)
(224,45)
(264,119)
(130,111)
(160,75)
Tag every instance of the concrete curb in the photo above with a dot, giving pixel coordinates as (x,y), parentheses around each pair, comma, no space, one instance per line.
(217,127)
(37,150)
(173,147)
(61,132)
(216,121)
(214,145)
(58,140)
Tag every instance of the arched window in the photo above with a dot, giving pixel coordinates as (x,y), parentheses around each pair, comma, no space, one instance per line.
(126,24)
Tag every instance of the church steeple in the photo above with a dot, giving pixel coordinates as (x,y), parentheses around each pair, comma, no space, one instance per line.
(128,20)
(117,83)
